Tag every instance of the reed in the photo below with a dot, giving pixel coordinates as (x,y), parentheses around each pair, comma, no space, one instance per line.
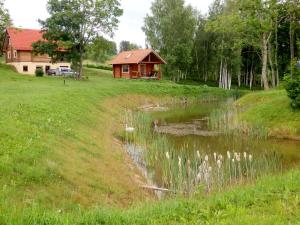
(184,171)
(226,120)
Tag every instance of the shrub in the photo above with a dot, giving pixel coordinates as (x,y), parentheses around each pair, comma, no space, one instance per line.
(101,67)
(39,72)
(293,88)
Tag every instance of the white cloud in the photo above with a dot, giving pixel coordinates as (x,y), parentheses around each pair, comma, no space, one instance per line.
(25,14)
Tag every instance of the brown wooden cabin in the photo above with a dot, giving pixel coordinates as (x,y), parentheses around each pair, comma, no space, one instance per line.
(143,63)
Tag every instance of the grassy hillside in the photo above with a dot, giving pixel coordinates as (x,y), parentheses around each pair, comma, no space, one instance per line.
(272,110)
(57,141)
(60,162)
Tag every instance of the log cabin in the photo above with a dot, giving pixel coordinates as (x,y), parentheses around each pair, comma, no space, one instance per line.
(17,47)
(142,63)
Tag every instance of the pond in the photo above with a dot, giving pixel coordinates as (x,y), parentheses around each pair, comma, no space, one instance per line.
(194,118)
(182,151)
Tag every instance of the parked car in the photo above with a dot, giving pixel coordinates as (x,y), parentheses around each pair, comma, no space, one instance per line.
(64,71)
(51,72)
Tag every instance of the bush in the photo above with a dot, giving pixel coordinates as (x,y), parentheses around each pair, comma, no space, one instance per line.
(101,67)
(293,88)
(39,72)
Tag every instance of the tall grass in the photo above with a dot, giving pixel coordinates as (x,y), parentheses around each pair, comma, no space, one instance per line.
(226,119)
(185,172)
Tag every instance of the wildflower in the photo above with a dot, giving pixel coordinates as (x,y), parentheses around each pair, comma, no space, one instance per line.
(209,169)
(179,161)
(206,158)
(235,154)
(219,163)
(228,155)
(198,178)
(167,155)
(198,155)
(215,156)
(233,160)
(245,155)
(220,157)
(250,157)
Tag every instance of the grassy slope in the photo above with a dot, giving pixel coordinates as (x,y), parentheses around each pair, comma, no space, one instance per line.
(57,144)
(272,110)
(57,152)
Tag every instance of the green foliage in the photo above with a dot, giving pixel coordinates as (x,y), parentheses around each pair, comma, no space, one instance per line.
(292,87)
(101,50)
(101,67)
(170,30)
(74,24)
(39,72)
(127,46)
(4,23)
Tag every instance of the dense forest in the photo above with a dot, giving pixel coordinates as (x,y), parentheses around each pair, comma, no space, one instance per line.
(252,43)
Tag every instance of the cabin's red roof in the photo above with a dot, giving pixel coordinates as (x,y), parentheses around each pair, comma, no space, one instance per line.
(133,57)
(22,39)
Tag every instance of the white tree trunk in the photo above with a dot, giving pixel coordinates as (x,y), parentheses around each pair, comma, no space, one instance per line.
(265,61)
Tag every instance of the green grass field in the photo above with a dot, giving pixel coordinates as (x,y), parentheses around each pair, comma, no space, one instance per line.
(60,162)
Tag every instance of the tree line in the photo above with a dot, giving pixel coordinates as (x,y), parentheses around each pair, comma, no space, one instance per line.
(251,43)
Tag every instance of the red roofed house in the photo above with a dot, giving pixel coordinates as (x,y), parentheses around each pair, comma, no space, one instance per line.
(143,63)
(18,51)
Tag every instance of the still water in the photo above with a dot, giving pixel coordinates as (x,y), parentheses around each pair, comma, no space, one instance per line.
(187,127)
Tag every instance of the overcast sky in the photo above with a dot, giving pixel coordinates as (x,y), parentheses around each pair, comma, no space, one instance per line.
(25,14)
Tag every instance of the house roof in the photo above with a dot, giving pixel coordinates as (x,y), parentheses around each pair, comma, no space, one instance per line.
(133,57)
(22,39)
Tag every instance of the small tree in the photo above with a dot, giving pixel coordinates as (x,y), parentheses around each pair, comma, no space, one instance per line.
(127,46)
(293,88)
(4,22)
(73,25)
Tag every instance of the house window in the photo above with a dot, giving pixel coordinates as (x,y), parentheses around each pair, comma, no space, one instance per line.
(25,68)
(47,68)
(8,55)
(15,54)
(125,69)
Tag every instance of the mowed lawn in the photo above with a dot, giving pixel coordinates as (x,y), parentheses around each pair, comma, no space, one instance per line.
(57,141)
(61,163)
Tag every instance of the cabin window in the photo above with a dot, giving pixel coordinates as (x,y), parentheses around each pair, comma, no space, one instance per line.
(15,54)
(125,69)
(25,68)
(8,55)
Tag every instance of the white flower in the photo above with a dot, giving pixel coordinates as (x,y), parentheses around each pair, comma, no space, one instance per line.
(228,155)
(233,160)
(167,155)
(198,155)
(250,157)
(206,158)
(220,157)
(235,154)
(215,156)
(179,161)
(245,155)
(219,163)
